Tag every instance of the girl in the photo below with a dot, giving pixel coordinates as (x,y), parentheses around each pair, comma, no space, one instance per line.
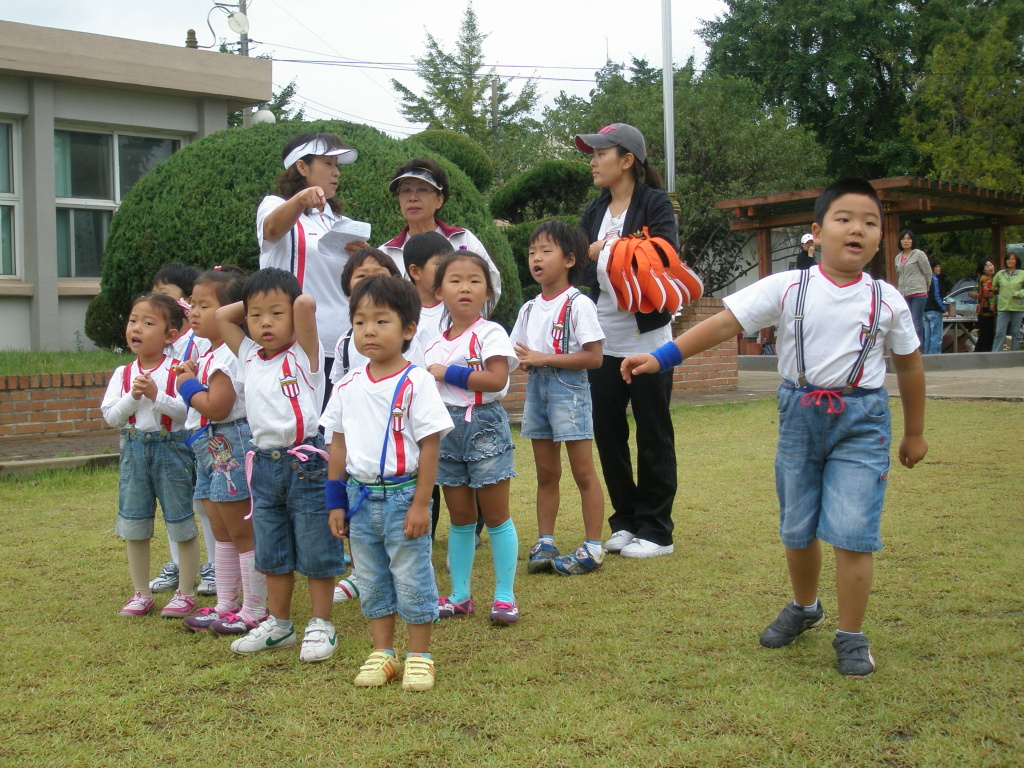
(986,306)
(915,277)
(177,280)
(558,337)
(155,465)
(220,436)
(631,198)
(471,361)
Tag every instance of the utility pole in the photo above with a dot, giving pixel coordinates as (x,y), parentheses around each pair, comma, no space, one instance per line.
(668,97)
(494,109)
(243,48)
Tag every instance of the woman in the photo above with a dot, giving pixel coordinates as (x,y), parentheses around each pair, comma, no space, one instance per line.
(934,311)
(290,223)
(1008,285)
(631,198)
(421,186)
(986,306)
(915,277)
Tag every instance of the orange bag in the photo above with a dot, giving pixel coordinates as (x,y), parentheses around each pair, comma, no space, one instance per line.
(647,275)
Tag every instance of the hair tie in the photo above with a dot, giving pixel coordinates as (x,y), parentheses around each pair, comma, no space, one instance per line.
(185,307)
(218,267)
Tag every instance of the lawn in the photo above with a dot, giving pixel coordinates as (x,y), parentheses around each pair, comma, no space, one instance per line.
(649,663)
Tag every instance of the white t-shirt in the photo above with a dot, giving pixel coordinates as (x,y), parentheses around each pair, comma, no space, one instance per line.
(181,350)
(282,395)
(220,359)
(428,329)
(167,411)
(541,321)
(836,317)
(318,274)
(471,349)
(360,408)
(622,337)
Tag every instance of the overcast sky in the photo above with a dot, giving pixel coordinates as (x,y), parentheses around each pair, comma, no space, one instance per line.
(560,43)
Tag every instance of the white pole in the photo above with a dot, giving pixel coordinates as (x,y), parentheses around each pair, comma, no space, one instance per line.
(668,96)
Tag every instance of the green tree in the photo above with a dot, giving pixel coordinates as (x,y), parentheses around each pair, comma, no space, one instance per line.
(727,145)
(280,104)
(463,97)
(968,116)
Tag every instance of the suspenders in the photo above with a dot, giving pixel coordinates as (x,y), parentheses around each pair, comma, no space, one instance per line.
(560,328)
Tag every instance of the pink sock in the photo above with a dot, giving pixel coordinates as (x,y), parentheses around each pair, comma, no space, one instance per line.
(254,589)
(229,579)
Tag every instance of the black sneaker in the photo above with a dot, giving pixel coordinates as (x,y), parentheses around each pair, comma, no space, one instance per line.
(853,655)
(790,623)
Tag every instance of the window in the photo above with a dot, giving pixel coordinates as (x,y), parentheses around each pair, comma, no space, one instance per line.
(8,200)
(94,171)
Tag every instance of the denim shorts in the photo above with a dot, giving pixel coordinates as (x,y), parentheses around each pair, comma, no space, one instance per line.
(290,518)
(477,452)
(155,466)
(558,405)
(220,461)
(394,573)
(831,469)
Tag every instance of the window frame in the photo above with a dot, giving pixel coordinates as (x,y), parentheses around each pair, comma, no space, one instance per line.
(13,200)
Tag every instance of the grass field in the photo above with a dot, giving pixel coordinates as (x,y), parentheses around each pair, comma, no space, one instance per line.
(20,363)
(644,663)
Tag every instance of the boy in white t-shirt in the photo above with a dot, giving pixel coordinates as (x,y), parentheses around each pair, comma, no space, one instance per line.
(387,420)
(281,373)
(832,460)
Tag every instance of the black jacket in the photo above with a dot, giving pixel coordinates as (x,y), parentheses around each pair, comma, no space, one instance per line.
(649,208)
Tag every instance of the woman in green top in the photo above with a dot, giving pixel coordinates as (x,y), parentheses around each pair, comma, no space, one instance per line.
(1008,285)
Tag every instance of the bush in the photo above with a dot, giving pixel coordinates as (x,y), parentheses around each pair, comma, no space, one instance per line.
(462,151)
(550,188)
(518,236)
(199,206)
(104,326)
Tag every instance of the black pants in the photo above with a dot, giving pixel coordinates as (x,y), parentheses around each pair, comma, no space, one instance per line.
(644,506)
(986,333)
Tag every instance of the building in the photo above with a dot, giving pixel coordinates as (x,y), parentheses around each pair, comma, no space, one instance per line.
(82,118)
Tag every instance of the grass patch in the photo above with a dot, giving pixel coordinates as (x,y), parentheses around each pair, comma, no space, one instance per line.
(640,664)
(19,363)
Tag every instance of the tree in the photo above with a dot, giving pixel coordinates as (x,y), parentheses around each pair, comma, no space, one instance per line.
(280,104)
(727,145)
(460,96)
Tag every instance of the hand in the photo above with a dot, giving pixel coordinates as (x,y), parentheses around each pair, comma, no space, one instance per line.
(634,365)
(595,250)
(186,371)
(417,521)
(530,357)
(358,246)
(336,522)
(312,197)
(437,371)
(144,386)
(912,450)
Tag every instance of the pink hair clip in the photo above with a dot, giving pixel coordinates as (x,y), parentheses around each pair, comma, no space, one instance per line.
(218,267)
(185,307)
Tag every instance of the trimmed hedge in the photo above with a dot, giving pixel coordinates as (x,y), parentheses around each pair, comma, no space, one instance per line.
(550,188)
(199,206)
(462,151)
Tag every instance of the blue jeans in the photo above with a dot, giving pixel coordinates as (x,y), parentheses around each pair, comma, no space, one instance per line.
(477,452)
(831,469)
(932,333)
(558,405)
(916,304)
(1007,322)
(394,573)
(155,466)
(220,461)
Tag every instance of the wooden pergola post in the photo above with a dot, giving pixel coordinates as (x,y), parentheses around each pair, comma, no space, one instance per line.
(764,251)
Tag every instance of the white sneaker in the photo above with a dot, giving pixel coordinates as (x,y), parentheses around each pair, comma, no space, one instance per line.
(266,637)
(319,641)
(618,540)
(345,589)
(645,548)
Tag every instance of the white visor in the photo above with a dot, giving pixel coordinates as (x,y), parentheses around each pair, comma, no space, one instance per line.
(416,173)
(319,148)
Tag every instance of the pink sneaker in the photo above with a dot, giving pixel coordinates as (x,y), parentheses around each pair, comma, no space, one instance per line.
(446,609)
(204,617)
(139,605)
(233,624)
(180,606)
(504,614)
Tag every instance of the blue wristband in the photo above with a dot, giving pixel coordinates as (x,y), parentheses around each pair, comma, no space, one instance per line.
(336,494)
(668,355)
(457,376)
(189,388)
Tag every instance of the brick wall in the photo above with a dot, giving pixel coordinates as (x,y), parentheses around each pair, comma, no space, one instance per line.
(51,405)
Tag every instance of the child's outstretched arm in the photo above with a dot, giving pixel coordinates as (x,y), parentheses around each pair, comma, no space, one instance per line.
(229,323)
(304,315)
(910,380)
(703,336)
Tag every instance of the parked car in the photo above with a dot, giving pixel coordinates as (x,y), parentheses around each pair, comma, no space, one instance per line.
(965,305)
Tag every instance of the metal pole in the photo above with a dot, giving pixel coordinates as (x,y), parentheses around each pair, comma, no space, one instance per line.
(243,48)
(668,96)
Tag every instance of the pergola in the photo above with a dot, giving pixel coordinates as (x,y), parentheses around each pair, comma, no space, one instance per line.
(906,200)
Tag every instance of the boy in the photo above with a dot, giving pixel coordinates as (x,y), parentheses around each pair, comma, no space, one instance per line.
(387,420)
(832,460)
(280,371)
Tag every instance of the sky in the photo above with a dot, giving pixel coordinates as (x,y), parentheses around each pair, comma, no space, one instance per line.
(560,43)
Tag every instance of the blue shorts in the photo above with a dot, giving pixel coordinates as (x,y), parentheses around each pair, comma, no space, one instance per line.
(220,461)
(290,518)
(831,469)
(477,452)
(394,573)
(558,405)
(155,466)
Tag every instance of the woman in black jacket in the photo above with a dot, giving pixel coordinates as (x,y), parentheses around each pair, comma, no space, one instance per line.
(631,198)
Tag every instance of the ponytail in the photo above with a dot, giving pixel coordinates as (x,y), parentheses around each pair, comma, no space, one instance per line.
(651,177)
